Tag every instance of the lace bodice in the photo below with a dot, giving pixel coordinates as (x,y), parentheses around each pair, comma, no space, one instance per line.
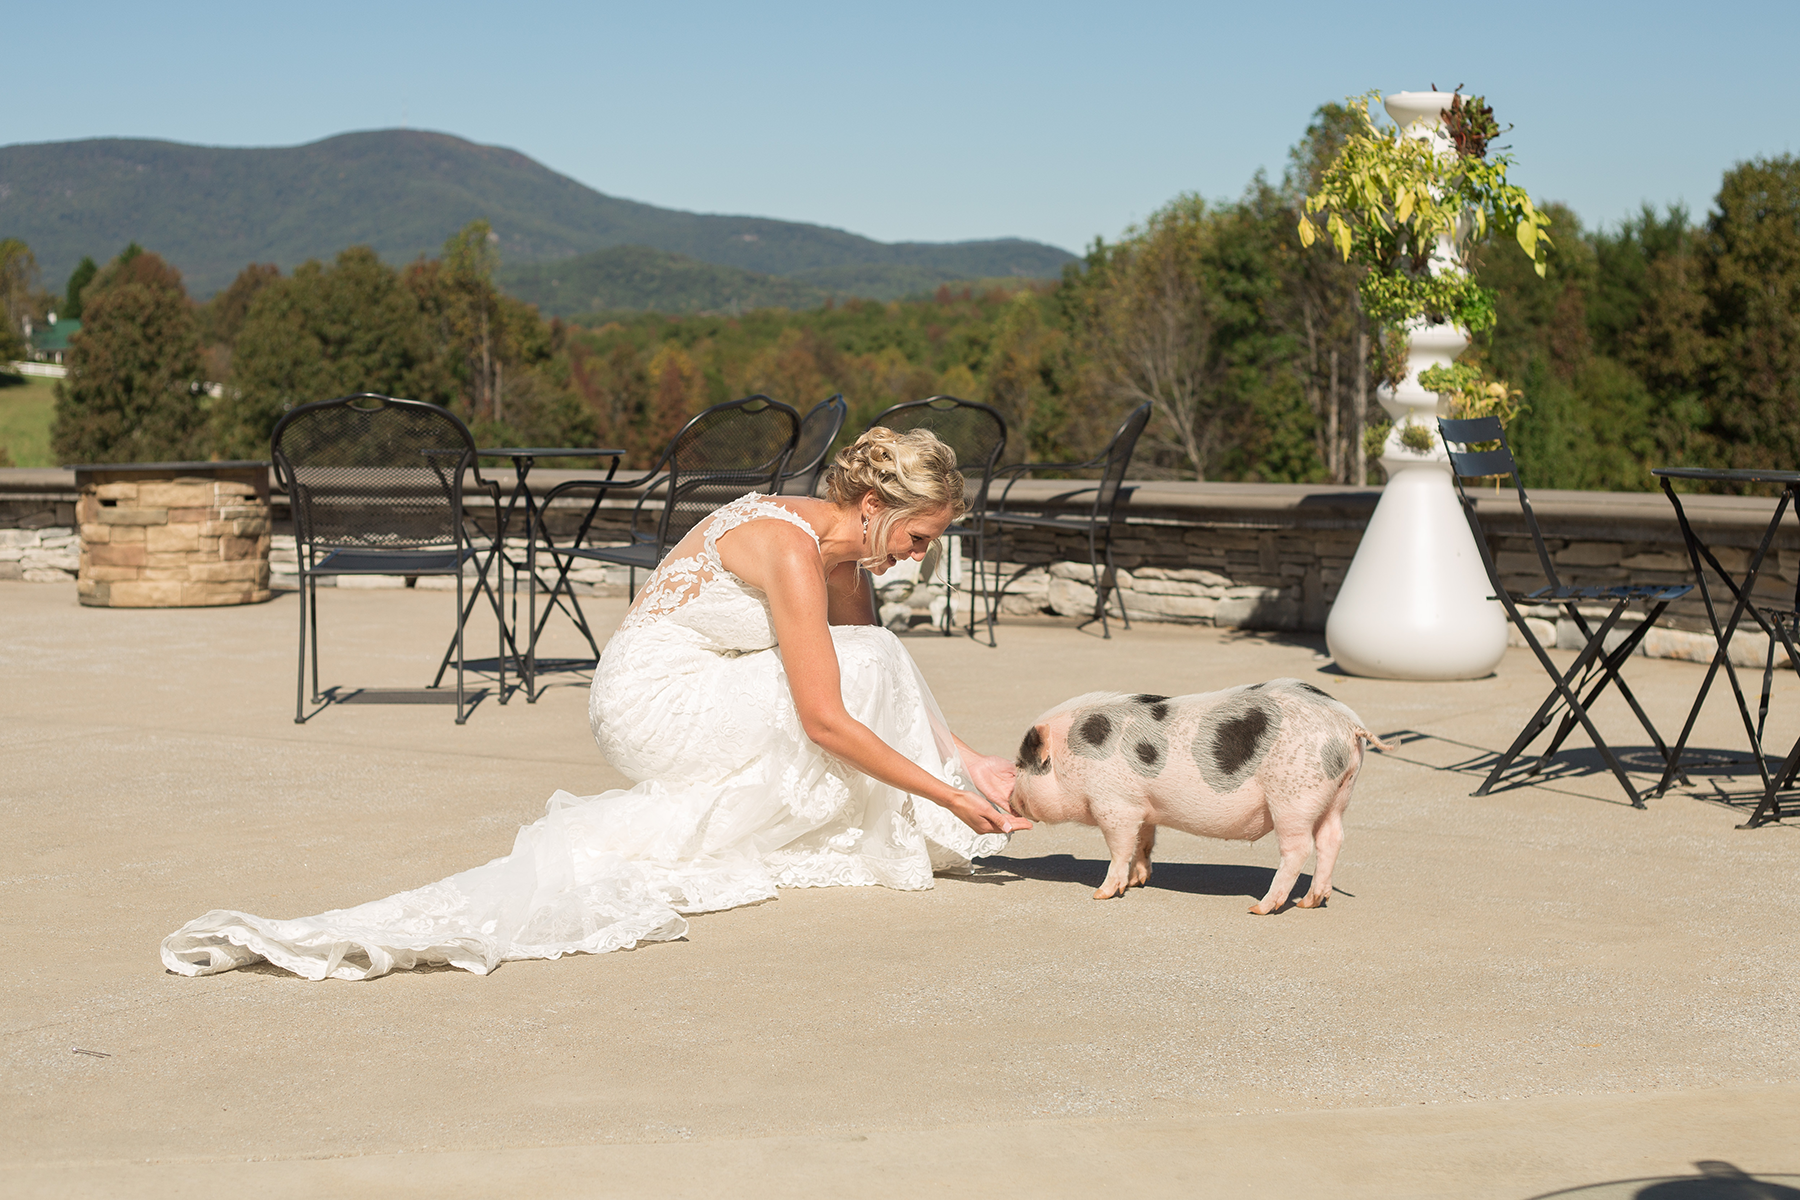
(679,582)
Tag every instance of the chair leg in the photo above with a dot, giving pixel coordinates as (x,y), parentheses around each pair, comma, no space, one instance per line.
(462,717)
(313,584)
(300,675)
(1562,691)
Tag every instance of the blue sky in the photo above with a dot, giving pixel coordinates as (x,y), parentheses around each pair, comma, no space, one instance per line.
(927,121)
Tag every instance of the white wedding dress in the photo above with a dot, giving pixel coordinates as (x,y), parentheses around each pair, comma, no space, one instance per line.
(690,698)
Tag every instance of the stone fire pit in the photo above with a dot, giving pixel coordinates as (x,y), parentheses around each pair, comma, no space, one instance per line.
(173,535)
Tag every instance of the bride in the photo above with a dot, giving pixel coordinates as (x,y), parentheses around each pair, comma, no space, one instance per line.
(780,738)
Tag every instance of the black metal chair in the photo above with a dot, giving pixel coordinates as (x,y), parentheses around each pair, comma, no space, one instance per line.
(1595,668)
(376,488)
(977,433)
(818,431)
(1097,523)
(727,451)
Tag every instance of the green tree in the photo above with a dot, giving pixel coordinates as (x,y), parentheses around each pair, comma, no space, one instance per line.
(18,279)
(133,390)
(1150,322)
(325,331)
(79,278)
(1750,259)
(1324,309)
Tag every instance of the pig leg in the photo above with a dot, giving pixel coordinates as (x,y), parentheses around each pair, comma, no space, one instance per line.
(1329,836)
(1122,830)
(1296,844)
(1140,863)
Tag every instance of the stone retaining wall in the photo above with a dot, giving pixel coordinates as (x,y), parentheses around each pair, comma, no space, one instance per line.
(37,531)
(1254,556)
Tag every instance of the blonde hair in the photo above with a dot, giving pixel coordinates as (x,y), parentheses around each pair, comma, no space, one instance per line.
(909,473)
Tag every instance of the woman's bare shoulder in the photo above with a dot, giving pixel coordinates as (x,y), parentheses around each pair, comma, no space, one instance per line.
(757,548)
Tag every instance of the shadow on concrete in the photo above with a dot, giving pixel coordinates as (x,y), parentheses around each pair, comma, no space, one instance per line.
(1715,1181)
(1195,879)
(1725,777)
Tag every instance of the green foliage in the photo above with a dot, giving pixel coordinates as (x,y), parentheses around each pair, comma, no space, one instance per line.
(79,278)
(1417,437)
(133,392)
(1394,204)
(325,331)
(1471,393)
(18,276)
(1750,280)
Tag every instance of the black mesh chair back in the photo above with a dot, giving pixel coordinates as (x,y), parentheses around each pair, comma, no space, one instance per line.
(725,452)
(1112,463)
(1116,459)
(818,432)
(375,485)
(373,472)
(975,431)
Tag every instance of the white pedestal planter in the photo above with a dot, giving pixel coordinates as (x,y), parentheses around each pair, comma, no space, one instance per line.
(1415,602)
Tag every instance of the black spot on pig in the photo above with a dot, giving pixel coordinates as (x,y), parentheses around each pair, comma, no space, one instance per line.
(1307,687)
(1033,759)
(1233,739)
(1334,757)
(1148,741)
(1094,734)
(1158,706)
(1237,740)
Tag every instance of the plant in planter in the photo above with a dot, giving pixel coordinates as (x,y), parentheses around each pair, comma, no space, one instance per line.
(1408,203)
(1410,212)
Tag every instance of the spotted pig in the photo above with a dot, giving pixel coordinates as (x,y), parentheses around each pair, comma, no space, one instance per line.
(1235,764)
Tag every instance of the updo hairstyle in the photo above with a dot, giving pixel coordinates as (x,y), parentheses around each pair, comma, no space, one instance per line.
(910,473)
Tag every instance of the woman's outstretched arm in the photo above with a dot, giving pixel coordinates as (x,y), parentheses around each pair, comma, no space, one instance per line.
(784,563)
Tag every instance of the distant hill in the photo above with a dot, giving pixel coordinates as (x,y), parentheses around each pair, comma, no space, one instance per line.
(210,210)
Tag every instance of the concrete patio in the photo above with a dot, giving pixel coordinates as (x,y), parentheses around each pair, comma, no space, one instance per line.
(1514,995)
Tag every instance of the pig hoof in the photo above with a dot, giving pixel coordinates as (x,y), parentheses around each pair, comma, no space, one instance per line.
(1310,902)
(1262,910)
(1100,893)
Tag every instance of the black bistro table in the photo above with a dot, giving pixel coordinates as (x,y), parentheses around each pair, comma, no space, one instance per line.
(1776,623)
(524,458)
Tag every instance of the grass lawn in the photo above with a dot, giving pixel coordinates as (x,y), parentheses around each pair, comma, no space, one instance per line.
(26,406)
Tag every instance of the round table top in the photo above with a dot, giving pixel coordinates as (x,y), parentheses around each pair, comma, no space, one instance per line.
(1729,475)
(550,452)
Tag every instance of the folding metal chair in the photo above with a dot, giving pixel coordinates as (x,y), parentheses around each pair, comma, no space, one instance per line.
(977,433)
(376,488)
(818,431)
(1097,523)
(1595,668)
(728,450)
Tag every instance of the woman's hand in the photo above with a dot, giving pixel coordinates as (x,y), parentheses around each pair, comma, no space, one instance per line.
(983,815)
(992,776)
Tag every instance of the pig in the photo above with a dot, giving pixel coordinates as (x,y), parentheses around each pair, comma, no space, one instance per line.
(1280,755)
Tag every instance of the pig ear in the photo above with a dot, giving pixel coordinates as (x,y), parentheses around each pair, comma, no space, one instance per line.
(1034,751)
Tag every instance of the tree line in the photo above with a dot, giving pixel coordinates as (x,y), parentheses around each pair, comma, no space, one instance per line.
(1659,340)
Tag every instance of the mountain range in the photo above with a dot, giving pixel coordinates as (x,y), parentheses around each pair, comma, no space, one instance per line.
(210,210)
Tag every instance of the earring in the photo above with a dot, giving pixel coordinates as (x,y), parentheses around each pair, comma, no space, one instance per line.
(865,531)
